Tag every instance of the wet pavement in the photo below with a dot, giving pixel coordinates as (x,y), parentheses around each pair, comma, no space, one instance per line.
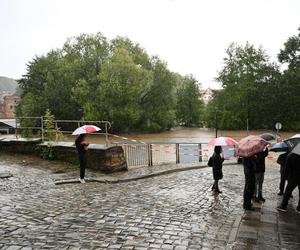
(171,210)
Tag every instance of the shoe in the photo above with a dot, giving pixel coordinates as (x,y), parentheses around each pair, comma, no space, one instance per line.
(281,209)
(250,209)
(213,188)
(255,199)
(261,199)
(82,180)
(280,193)
(298,210)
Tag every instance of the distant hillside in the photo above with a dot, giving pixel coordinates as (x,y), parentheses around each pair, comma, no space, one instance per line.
(8,84)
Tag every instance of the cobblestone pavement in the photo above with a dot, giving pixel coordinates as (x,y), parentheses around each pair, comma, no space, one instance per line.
(174,211)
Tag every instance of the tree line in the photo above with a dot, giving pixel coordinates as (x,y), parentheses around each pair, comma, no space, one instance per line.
(256,93)
(93,78)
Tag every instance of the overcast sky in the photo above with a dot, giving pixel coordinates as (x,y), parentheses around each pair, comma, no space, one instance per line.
(190,35)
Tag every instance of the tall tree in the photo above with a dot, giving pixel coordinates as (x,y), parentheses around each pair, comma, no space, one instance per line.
(158,100)
(244,76)
(120,93)
(189,103)
(289,98)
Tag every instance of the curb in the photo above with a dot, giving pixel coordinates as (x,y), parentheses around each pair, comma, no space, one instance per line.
(111,180)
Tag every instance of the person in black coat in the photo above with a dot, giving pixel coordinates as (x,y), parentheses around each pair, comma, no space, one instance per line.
(81,146)
(281,160)
(217,162)
(260,168)
(249,172)
(292,171)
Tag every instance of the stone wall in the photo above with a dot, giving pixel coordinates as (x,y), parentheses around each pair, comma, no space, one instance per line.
(99,157)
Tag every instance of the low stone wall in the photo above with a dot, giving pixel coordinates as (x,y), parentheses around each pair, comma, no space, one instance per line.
(20,145)
(99,157)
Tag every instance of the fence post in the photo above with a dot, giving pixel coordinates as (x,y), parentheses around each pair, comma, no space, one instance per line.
(177,153)
(16,129)
(200,152)
(106,139)
(42,127)
(150,163)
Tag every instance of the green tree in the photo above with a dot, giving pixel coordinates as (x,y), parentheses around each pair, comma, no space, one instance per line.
(158,100)
(288,101)
(122,85)
(189,104)
(244,78)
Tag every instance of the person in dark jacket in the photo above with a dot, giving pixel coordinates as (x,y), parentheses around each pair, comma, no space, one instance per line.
(281,160)
(81,146)
(217,162)
(249,171)
(292,170)
(260,168)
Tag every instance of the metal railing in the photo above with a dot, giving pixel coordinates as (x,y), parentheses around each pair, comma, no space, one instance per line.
(156,153)
(37,126)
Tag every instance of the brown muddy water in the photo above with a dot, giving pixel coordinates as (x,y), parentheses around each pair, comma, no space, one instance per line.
(179,134)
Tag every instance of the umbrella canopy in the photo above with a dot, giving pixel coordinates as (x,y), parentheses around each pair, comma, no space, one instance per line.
(293,141)
(279,147)
(269,136)
(222,141)
(251,145)
(296,149)
(86,129)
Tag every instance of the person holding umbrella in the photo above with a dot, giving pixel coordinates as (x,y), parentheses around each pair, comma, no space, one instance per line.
(216,163)
(292,170)
(81,146)
(216,160)
(248,147)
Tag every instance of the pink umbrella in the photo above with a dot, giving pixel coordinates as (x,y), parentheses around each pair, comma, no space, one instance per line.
(222,141)
(251,145)
(86,129)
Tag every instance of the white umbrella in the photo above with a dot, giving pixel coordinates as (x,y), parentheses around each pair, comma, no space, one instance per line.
(86,129)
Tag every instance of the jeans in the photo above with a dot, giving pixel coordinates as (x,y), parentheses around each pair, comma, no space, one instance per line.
(82,161)
(292,184)
(249,187)
(259,179)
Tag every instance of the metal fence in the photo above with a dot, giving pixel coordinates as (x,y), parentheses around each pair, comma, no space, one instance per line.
(36,125)
(156,153)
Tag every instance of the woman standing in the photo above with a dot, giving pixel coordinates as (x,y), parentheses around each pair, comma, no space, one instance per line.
(81,146)
(217,162)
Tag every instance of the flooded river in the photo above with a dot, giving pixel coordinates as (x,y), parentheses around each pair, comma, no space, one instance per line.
(179,134)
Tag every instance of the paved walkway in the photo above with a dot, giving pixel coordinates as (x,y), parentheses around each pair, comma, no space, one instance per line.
(145,208)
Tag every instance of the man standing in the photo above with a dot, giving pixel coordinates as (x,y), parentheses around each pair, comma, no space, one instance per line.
(249,171)
(292,170)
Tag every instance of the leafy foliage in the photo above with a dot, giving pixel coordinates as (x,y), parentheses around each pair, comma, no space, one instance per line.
(92,78)
(189,104)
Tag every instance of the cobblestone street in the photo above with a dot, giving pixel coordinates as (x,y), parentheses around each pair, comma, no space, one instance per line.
(174,211)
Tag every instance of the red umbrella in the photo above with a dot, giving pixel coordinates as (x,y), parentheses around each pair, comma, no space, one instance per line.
(251,145)
(86,129)
(222,141)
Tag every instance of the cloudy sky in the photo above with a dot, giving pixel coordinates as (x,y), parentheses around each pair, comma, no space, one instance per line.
(190,35)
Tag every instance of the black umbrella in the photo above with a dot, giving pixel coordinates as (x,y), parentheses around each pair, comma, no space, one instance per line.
(269,136)
(296,149)
(279,147)
(293,141)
